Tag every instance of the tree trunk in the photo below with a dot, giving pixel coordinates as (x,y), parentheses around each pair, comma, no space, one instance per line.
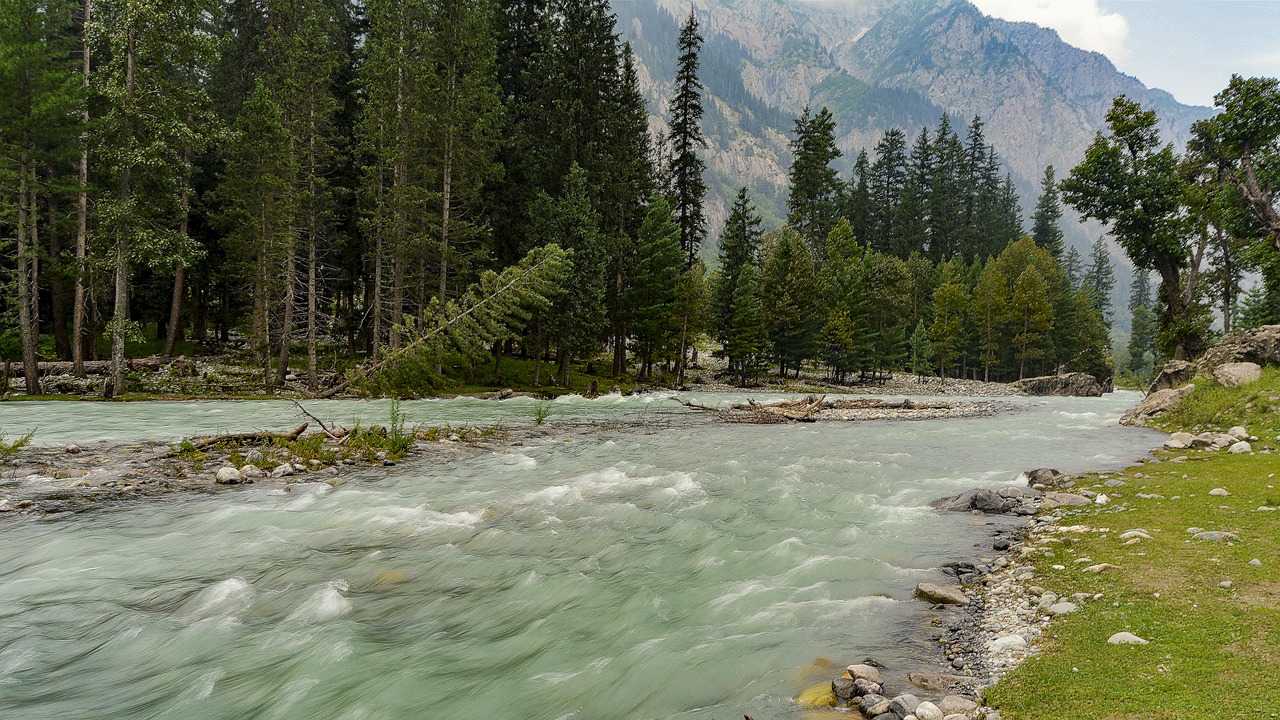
(286,322)
(82,208)
(28,308)
(120,317)
(179,272)
(313,230)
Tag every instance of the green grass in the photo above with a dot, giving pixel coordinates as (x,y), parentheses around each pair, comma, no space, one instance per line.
(9,448)
(1212,651)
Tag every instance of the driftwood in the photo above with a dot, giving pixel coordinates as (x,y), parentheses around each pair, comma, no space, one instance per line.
(237,439)
(806,409)
(335,432)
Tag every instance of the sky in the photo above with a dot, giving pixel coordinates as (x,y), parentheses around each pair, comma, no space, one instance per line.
(1188,47)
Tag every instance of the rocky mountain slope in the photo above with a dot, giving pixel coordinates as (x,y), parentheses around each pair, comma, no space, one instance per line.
(878,64)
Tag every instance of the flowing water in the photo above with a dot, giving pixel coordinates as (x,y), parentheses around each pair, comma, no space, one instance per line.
(683,571)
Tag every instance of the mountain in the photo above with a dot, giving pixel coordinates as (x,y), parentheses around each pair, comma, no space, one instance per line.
(879,64)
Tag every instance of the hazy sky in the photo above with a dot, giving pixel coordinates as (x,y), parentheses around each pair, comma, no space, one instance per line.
(1188,47)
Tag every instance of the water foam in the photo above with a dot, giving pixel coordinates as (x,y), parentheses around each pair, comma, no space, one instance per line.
(222,599)
(326,603)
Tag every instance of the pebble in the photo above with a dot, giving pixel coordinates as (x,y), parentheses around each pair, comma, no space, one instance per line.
(1219,492)
(1255,562)
(1101,567)
(1007,643)
(228,476)
(928,711)
(1240,448)
(1216,536)
(1225,584)
(1061,608)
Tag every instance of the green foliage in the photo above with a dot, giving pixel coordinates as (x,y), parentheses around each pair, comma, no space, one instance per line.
(791,317)
(737,248)
(747,341)
(1044,228)
(9,448)
(686,166)
(813,203)
(921,351)
(947,336)
(651,298)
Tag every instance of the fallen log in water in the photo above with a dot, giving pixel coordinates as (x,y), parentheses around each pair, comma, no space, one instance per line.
(807,409)
(236,439)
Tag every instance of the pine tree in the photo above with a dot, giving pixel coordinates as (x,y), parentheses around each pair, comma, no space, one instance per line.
(747,341)
(1030,316)
(921,350)
(813,202)
(1099,279)
(950,305)
(789,279)
(738,245)
(856,204)
(260,195)
(1045,229)
(143,129)
(1142,330)
(948,196)
(888,177)
(38,82)
(651,296)
(688,189)
(987,309)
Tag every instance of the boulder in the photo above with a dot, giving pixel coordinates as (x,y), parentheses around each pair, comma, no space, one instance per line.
(935,682)
(941,594)
(228,476)
(987,501)
(1174,374)
(1237,373)
(957,705)
(843,689)
(904,705)
(865,672)
(1260,345)
(1061,608)
(249,472)
(1216,536)
(1055,500)
(1007,643)
(928,711)
(1240,448)
(283,470)
(1048,478)
(1075,384)
(1239,431)
(1180,441)
(873,705)
(1154,404)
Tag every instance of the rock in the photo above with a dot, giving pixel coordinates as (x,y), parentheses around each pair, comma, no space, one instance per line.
(228,476)
(936,682)
(863,687)
(928,711)
(249,472)
(1061,608)
(843,689)
(1049,478)
(1054,500)
(865,672)
(873,705)
(1219,492)
(1179,441)
(904,705)
(956,705)
(283,470)
(941,594)
(1115,483)
(816,697)
(981,499)
(1101,567)
(1260,345)
(1240,448)
(1255,562)
(1154,404)
(1239,431)
(1237,373)
(1101,499)
(1011,492)
(1126,638)
(253,456)
(1225,584)
(1025,510)
(1216,536)
(956,716)
(1007,643)
(1135,533)
(71,449)
(1075,384)
(1175,373)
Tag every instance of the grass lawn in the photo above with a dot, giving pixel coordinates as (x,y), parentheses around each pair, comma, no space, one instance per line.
(1214,651)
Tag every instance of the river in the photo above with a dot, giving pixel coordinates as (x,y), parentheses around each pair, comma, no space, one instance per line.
(683,570)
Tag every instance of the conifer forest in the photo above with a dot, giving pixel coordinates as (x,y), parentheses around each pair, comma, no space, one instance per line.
(405,194)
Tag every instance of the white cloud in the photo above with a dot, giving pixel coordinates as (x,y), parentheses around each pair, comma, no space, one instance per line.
(1082,23)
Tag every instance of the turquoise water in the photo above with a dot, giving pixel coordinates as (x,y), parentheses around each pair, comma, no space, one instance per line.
(677,572)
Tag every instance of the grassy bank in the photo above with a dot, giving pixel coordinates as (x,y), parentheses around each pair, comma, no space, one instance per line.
(1211,617)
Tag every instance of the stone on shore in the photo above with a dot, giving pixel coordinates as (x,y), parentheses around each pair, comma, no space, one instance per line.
(1061,608)
(1048,478)
(1008,643)
(1239,431)
(928,711)
(873,705)
(904,705)
(283,470)
(936,682)
(956,705)
(816,697)
(865,672)
(1175,373)
(1216,536)
(1237,373)
(941,594)
(228,476)
(863,687)
(1126,638)
(1055,500)
(1180,441)
(252,471)
(1155,404)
